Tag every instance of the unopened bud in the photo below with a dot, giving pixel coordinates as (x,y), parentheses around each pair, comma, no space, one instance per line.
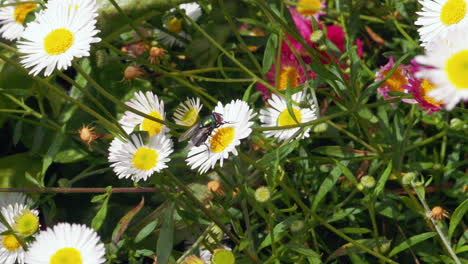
(262,194)
(360,187)
(87,135)
(297,226)
(456,124)
(132,72)
(320,128)
(322,47)
(438,213)
(408,178)
(368,181)
(223,256)
(316,36)
(155,54)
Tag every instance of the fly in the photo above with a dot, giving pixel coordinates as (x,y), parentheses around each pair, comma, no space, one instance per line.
(199,132)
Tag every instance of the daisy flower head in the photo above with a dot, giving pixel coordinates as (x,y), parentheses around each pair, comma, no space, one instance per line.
(278,115)
(56,37)
(12,18)
(420,89)
(66,243)
(136,160)
(397,82)
(311,8)
(25,222)
(149,104)
(177,35)
(10,198)
(223,140)
(439,18)
(446,61)
(187,113)
(88,5)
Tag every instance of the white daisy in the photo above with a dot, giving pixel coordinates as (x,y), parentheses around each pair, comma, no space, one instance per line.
(175,26)
(136,160)
(87,5)
(56,37)
(439,17)
(187,113)
(66,243)
(12,18)
(149,104)
(223,140)
(25,222)
(11,198)
(446,60)
(278,115)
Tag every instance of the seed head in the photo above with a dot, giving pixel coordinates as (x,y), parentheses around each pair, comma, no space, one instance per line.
(216,187)
(132,72)
(155,55)
(438,213)
(87,135)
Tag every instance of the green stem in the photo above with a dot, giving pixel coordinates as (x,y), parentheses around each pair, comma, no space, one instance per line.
(4,221)
(352,136)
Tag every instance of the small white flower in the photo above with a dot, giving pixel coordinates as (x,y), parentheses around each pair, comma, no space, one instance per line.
(278,115)
(223,140)
(136,160)
(56,37)
(25,222)
(175,26)
(10,198)
(12,18)
(149,104)
(89,6)
(187,113)
(441,17)
(446,59)
(66,243)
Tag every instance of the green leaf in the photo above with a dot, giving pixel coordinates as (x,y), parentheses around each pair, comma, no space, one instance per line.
(382,180)
(327,185)
(303,250)
(146,231)
(98,220)
(13,169)
(270,53)
(338,152)
(457,217)
(248,91)
(348,174)
(53,150)
(281,153)
(411,242)
(166,237)
(125,221)
(279,231)
(17,132)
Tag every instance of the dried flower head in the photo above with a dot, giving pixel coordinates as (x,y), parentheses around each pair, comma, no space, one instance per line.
(155,55)
(87,135)
(216,187)
(438,213)
(132,72)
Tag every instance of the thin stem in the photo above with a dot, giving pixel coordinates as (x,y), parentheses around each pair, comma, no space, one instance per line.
(4,221)
(352,136)
(83,190)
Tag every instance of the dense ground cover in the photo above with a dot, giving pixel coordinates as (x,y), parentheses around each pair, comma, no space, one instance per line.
(144,131)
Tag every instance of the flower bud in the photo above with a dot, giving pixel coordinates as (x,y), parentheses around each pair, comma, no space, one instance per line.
(408,178)
(320,128)
(223,256)
(262,194)
(87,135)
(132,72)
(297,226)
(360,187)
(368,181)
(216,187)
(456,124)
(438,213)
(155,54)
(316,36)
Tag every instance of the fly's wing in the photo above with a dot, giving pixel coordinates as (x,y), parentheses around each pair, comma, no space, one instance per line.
(190,132)
(201,136)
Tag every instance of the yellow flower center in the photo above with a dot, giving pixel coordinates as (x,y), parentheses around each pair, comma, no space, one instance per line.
(308,7)
(22,10)
(10,243)
(150,126)
(289,77)
(26,224)
(426,87)
(456,68)
(145,159)
(453,12)
(396,81)
(285,119)
(175,25)
(66,256)
(58,41)
(192,260)
(221,139)
(190,117)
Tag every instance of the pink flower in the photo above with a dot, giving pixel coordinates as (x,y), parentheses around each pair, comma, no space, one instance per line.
(420,89)
(291,75)
(397,82)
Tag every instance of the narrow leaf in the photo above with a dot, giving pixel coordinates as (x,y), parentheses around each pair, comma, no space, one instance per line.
(270,51)
(125,221)
(166,237)
(146,231)
(411,242)
(382,180)
(457,217)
